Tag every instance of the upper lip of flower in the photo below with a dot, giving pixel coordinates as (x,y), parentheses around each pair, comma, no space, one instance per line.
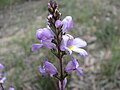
(46,36)
(48,68)
(43,34)
(66,23)
(73,65)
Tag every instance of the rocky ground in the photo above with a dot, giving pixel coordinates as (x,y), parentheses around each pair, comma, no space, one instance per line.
(19,23)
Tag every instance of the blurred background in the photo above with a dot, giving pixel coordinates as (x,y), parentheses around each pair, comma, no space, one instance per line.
(96,21)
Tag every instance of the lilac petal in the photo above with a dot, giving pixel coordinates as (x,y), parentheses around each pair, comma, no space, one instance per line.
(48,43)
(50,68)
(70,36)
(64,42)
(75,62)
(74,65)
(43,34)
(70,66)
(80,71)
(42,70)
(65,39)
(2,80)
(58,23)
(11,88)
(36,46)
(67,23)
(64,84)
(69,51)
(39,34)
(82,52)
(52,33)
(78,42)
(1,66)
(69,20)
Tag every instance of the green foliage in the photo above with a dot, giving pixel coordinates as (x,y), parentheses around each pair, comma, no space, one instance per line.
(7,3)
(26,41)
(105,34)
(81,10)
(44,83)
(110,67)
(109,37)
(18,67)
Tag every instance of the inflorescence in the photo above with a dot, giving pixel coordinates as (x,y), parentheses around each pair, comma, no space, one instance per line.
(54,37)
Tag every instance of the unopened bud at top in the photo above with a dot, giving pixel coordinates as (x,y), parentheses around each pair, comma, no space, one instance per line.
(53,4)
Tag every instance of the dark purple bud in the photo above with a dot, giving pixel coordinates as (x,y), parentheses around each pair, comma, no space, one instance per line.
(50,16)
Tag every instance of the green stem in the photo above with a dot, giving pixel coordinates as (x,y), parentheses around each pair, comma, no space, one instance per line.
(61,73)
(60,59)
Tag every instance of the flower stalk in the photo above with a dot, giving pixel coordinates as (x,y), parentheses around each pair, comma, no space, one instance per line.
(61,67)
(1,86)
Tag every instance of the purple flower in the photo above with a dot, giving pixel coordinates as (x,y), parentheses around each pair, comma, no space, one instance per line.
(73,65)
(2,78)
(11,88)
(64,83)
(73,44)
(48,68)
(66,23)
(36,46)
(43,34)
(47,43)
(1,66)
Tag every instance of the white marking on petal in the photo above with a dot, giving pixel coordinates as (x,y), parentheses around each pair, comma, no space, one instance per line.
(82,52)
(78,42)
